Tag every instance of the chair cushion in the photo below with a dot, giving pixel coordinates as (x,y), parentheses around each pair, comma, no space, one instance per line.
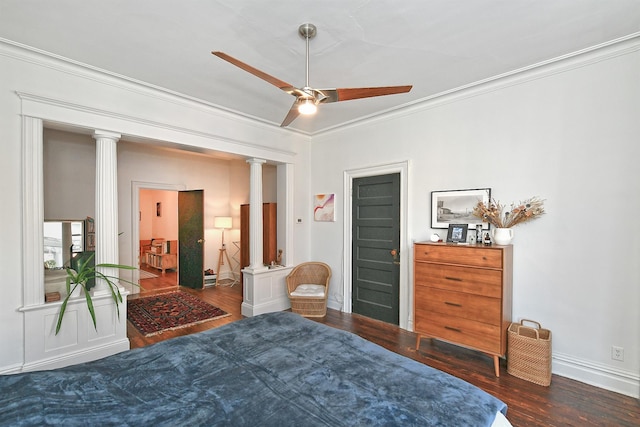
(308,290)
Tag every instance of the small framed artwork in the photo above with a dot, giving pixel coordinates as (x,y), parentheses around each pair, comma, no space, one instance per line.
(90,225)
(91,242)
(457,233)
(158,209)
(324,207)
(89,234)
(456,207)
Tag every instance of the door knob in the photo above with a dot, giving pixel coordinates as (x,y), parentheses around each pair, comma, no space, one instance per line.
(200,240)
(395,255)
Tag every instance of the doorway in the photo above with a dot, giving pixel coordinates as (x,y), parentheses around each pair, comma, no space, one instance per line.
(405,299)
(151,279)
(158,239)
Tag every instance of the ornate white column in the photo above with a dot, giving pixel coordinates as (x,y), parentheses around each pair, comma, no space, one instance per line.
(32,211)
(255,216)
(264,290)
(106,221)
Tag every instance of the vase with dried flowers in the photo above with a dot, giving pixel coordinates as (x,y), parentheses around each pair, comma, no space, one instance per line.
(496,214)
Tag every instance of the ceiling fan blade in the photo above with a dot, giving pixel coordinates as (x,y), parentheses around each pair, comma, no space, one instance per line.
(261,74)
(307,96)
(345,94)
(293,113)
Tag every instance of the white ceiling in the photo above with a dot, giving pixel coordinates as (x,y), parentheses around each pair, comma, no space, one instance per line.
(435,45)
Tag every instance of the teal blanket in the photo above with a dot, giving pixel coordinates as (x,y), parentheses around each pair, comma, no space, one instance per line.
(276,369)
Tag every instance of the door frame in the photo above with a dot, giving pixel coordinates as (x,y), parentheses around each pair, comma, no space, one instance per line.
(136,186)
(406,297)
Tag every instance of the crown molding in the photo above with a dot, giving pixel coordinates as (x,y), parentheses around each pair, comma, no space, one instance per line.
(582,58)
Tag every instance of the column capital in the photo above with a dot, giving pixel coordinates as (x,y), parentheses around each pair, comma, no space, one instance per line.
(106,134)
(257,161)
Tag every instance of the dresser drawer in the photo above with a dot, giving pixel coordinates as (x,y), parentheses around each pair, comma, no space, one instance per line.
(465,255)
(459,304)
(480,336)
(477,281)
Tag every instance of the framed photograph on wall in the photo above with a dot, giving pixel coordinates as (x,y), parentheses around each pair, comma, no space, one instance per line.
(457,233)
(456,207)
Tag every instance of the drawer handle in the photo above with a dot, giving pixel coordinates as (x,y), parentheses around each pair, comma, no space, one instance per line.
(453,304)
(455,279)
(452,329)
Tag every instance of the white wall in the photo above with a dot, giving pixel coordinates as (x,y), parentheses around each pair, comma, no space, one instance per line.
(567,133)
(165,226)
(71,96)
(147,212)
(69,164)
(142,163)
(69,175)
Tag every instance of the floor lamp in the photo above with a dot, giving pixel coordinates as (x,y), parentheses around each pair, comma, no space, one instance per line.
(224,223)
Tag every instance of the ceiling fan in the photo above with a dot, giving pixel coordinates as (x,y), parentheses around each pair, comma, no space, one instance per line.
(308,98)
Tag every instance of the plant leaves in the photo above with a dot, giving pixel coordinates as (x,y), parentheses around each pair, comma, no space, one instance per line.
(91,309)
(87,272)
(63,307)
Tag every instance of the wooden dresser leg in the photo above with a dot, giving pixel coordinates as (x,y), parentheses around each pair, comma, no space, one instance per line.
(496,365)
(418,342)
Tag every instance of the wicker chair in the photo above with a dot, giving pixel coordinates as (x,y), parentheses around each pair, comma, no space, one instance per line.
(308,289)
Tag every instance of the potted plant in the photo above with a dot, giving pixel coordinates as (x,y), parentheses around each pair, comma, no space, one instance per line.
(83,277)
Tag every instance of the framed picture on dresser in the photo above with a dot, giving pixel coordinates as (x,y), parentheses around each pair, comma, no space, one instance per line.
(457,233)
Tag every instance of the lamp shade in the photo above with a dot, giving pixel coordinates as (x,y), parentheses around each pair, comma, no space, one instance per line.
(224,222)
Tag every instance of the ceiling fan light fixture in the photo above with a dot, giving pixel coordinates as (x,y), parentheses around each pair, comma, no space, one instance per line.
(308,98)
(307,107)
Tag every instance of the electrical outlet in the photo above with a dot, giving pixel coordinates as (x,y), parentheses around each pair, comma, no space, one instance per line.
(617,353)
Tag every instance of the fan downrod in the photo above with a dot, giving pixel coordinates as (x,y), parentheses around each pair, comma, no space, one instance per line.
(307,96)
(308,31)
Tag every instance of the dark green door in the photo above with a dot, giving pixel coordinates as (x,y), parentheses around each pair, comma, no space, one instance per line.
(191,238)
(376,234)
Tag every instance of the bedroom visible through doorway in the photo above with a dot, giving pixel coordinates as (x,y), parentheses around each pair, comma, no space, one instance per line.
(158,237)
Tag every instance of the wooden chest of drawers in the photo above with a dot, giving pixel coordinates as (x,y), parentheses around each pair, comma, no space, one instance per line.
(463,294)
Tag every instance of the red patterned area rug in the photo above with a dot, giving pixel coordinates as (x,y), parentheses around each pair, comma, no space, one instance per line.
(158,313)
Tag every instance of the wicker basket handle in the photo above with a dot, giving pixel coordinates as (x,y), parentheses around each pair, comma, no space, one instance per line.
(531,321)
(536,330)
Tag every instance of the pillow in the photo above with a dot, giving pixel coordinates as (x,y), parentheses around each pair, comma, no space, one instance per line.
(308,290)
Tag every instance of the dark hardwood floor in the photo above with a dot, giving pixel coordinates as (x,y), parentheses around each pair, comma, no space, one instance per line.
(565,403)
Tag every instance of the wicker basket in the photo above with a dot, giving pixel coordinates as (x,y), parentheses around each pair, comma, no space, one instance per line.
(529,352)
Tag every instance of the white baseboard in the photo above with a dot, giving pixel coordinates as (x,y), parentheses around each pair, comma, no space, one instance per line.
(272,306)
(86,355)
(11,369)
(596,374)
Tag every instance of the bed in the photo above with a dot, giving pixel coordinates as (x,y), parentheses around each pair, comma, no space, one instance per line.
(276,369)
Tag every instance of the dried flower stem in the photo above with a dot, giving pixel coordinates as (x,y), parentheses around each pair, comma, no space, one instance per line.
(495,213)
